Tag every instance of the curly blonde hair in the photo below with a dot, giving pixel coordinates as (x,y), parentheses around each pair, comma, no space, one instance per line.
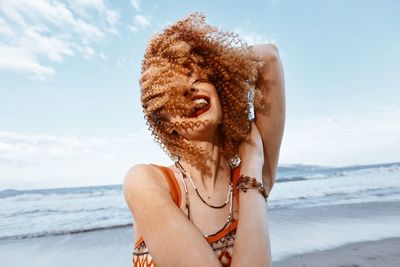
(191,47)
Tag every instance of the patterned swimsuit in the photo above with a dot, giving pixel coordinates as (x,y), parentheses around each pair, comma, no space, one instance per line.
(222,243)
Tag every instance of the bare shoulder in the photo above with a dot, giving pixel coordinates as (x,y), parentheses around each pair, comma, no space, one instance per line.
(142,174)
(142,179)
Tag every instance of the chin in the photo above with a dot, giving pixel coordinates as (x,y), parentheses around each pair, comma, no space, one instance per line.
(206,130)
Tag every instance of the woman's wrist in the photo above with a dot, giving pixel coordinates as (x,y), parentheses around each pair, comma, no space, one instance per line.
(252,170)
(245,183)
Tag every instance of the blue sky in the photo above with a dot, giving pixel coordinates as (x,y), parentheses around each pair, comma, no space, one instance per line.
(69,70)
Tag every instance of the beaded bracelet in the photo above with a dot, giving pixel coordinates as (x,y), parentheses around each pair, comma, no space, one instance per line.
(245,182)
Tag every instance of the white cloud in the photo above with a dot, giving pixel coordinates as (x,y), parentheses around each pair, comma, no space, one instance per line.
(38,160)
(141,22)
(98,4)
(34,32)
(135,4)
(18,59)
(112,17)
(252,38)
(5,28)
(370,137)
(54,47)
(30,147)
(25,148)
(88,51)
(103,56)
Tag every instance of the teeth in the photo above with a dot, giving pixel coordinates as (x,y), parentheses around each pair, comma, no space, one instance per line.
(200,101)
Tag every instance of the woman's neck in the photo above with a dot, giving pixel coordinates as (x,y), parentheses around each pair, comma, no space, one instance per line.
(218,167)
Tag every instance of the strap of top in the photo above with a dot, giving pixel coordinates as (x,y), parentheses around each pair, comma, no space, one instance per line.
(235,177)
(172,183)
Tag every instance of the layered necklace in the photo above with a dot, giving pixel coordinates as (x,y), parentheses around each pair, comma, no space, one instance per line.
(229,198)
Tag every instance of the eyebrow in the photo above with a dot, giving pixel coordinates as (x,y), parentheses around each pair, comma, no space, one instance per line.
(196,80)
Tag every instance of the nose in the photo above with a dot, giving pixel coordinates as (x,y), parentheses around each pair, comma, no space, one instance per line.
(192,91)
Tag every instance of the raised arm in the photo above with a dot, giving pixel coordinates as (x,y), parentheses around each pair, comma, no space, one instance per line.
(259,159)
(271,125)
(170,237)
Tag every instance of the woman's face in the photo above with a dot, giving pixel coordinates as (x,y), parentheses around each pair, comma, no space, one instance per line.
(209,111)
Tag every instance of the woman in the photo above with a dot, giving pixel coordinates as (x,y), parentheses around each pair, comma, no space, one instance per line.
(208,209)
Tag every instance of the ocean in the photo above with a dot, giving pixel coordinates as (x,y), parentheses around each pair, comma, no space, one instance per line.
(58,211)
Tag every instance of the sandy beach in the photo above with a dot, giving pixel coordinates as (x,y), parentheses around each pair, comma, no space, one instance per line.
(381,253)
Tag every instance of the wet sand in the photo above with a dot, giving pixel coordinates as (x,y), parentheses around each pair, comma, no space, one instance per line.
(381,253)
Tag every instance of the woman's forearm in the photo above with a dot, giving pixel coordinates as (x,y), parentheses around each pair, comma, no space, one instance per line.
(252,245)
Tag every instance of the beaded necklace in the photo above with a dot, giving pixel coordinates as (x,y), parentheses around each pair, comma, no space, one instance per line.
(184,175)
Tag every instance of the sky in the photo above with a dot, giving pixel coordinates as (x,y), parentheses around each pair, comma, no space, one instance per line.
(70,111)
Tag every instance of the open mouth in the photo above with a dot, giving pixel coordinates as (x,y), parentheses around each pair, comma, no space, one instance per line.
(202,104)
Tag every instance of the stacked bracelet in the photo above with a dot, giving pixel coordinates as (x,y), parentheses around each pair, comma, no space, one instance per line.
(245,182)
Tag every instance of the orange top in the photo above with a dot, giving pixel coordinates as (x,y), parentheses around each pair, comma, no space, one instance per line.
(222,243)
